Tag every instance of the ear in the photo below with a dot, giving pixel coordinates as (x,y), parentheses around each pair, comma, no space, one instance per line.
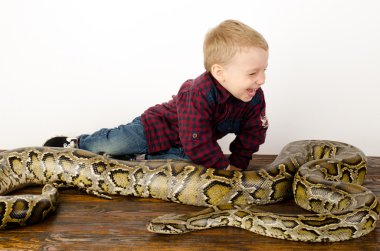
(217,72)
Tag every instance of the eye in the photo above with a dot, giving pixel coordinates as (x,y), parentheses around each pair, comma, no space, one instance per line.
(252,74)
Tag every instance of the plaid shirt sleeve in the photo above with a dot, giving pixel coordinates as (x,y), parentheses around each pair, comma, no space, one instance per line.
(195,130)
(251,136)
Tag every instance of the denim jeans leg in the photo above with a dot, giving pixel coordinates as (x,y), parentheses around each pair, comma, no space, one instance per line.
(122,140)
(172,153)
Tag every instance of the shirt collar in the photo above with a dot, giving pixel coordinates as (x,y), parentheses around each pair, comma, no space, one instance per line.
(223,94)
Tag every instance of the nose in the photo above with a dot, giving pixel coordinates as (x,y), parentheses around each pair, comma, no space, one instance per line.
(261,79)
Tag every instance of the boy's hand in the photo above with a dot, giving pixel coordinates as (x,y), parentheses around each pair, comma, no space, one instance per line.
(230,167)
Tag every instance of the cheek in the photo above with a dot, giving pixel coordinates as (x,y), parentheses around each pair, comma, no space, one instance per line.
(247,83)
(238,84)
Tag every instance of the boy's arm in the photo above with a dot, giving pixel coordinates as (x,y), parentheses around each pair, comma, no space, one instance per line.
(231,168)
(195,132)
(251,136)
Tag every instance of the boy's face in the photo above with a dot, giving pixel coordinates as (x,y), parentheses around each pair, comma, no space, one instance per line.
(244,73)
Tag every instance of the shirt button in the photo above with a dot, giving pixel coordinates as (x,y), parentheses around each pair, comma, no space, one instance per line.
(195,135)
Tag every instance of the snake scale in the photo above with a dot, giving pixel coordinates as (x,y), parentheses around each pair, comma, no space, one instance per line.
(324,177)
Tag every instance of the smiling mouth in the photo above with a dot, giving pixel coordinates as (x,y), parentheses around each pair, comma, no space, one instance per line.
(251,91)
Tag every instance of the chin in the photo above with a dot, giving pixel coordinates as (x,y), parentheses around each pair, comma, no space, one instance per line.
(246,100)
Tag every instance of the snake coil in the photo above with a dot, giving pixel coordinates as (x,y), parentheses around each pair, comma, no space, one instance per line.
(324,177)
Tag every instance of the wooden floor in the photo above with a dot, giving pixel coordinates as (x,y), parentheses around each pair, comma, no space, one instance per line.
(84,222)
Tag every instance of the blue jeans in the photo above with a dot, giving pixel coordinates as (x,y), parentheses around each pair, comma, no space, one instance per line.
(125,140)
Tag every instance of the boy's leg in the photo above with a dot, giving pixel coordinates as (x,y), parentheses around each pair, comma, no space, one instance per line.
(172,153)
(122,140)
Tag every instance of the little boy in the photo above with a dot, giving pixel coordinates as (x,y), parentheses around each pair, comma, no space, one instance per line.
(227,98)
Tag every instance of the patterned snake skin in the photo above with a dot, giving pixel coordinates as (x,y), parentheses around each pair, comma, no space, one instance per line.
(324,177)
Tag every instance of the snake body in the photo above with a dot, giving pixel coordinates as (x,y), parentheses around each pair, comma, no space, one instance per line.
(324,177)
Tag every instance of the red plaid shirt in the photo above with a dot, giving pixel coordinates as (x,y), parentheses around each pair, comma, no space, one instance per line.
(202,112)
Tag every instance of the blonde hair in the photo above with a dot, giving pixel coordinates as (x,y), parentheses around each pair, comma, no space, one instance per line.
(225,40)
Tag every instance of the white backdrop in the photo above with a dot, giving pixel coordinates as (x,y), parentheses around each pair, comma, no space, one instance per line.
(72,67)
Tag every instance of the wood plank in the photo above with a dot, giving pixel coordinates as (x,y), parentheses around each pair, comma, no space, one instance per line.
(84,222)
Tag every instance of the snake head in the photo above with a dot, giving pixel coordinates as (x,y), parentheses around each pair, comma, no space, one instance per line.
(50,192)
(168,224)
